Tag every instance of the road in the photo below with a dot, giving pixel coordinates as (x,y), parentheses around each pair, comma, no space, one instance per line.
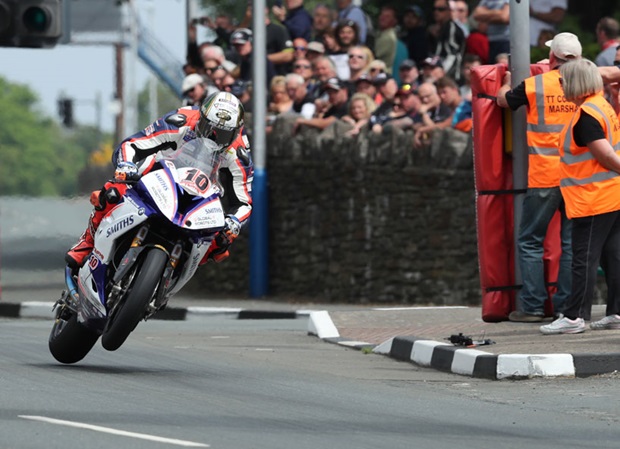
(223,383)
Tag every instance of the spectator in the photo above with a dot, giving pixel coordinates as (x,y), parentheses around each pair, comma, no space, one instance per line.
(545,15)
(297,89)
(295,18)
(322,20)
(361,107)
(315,49)
(193,49)
(547,113)
(336,108)
(460,14)
(346,35)
(194,88)
(358,62)
(469,62)
(387,88)
(432,69)
(365,85)
(217,76)
(324,69)
(477,43)
(279,43)
(227,82)
(433,111)
(348,11)
(405,111)
(447,39)
(241,40)
(415,34)
(448,91)
(496,14)
(589,168)
(385,43)
(409,73)
(223,27)
(607,33)
(279,100)
(216,53)
(376,67)
(303,67)
(300,48)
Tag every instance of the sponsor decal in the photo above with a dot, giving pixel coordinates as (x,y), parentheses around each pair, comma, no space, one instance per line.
(149,130)
(125,222)
(223,115)
(93,262)
(190,135)
(162,182)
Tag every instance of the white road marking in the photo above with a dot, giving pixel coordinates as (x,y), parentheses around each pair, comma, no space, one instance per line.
(419,308)
(220,337)
(142,436)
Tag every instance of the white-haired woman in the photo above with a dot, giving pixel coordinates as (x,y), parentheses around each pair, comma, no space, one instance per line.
(590,186)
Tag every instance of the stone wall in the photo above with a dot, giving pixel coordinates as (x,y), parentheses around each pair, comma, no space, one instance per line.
(367,219)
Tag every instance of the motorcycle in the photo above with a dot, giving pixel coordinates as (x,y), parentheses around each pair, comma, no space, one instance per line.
(145,250)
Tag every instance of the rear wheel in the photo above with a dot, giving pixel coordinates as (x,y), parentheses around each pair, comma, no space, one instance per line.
(128,314)
(69,340)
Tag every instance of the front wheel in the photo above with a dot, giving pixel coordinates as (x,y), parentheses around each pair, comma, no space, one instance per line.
(129,313)
(69,340)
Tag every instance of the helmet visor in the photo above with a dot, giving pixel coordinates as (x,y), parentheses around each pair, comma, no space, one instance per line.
(219,135)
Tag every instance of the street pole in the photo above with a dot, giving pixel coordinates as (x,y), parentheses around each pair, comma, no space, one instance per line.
(520,69)
(259,222)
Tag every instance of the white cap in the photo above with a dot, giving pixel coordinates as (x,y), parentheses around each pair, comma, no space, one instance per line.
(191,81)
(565,46)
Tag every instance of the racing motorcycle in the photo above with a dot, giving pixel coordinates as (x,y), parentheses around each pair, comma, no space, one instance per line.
(146,249)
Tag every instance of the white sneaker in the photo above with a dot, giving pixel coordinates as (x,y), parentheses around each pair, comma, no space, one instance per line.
(564,326)
(609,322)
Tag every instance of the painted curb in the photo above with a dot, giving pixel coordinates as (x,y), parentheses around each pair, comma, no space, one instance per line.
(43,310)
(474,362)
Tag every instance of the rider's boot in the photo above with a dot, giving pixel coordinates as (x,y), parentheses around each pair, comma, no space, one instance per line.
(78,252)
(215,253)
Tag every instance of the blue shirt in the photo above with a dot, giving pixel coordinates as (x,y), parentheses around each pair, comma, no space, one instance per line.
(298,22)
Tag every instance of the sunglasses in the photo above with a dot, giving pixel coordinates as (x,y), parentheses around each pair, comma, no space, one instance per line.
(617,62)
(302,66)
(227,86)
(189,91)
(213,69)
(375,69)
(405,90)
(356,56)
(348,23)
(301,48)
(441,8)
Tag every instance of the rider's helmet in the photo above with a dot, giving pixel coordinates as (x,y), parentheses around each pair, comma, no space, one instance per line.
(221,118)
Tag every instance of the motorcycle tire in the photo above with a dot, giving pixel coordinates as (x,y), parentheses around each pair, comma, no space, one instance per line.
(133,309)
(70,341)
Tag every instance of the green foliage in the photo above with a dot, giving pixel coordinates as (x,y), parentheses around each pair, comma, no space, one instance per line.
(38,157)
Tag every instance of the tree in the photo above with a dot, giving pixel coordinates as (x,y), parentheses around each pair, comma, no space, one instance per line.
(38,157)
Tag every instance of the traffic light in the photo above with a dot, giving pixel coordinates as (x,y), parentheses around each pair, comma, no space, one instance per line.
(65,111)
(30,23)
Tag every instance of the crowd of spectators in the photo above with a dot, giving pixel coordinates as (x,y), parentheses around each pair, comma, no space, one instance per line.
(408,67)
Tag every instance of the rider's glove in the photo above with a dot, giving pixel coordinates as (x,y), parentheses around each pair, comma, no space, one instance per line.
(126,171)
(231,230)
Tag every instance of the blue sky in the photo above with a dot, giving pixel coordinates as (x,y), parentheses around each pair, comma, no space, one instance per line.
(81,72)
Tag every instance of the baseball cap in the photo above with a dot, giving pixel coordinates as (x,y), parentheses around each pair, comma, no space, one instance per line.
(433,61)
(381,78)
(191,81)
(334,84)
(407,64)
(316,46)
(565,46)
(241,36)
(416,10)
(363,77)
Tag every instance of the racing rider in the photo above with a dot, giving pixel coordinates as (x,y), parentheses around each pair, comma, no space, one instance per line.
(219,118)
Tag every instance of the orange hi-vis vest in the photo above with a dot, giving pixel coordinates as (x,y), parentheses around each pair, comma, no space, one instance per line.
(547,113)
(587,187)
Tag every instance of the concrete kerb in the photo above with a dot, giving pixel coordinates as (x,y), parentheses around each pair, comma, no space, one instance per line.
(471,362)
(44,310)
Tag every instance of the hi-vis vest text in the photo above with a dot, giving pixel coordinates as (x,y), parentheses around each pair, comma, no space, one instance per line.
(547,113)
(587,187)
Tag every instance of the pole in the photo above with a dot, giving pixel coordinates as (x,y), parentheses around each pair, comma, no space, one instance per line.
(520,69)
(259,223)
